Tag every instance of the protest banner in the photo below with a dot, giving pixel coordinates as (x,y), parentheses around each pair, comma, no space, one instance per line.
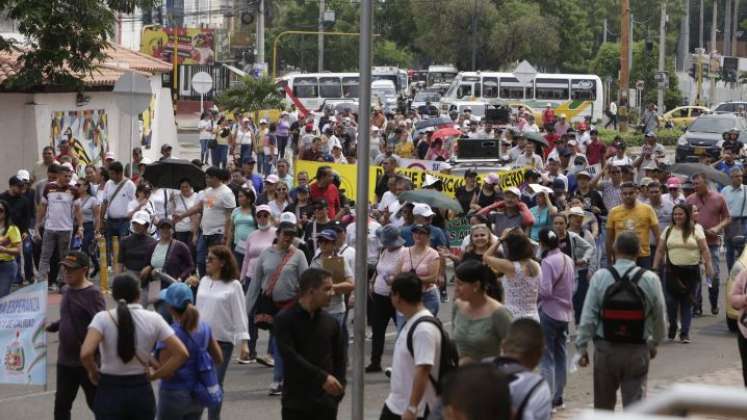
(424,165)
(348,177)
(456,230)
(23,341)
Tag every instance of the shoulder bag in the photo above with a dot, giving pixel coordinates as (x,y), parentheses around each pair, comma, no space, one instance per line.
(736,226)
(265,307)
(107,201)
(673,275)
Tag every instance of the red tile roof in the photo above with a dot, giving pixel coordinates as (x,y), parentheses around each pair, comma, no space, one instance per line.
(120,60)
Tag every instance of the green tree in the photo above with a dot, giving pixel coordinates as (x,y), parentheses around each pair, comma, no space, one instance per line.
(67,38)
(518,32)
(251,95)
(387,53)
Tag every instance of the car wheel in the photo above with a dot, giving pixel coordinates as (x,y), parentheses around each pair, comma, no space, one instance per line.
(731,324)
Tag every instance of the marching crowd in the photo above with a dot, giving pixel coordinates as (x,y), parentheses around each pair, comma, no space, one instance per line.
(611,243)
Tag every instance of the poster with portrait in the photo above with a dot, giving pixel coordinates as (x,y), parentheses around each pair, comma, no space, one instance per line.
(86,130)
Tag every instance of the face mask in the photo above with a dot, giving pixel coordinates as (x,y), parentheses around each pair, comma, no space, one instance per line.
(264,227)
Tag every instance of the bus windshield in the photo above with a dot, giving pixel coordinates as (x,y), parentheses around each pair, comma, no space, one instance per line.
(440,77)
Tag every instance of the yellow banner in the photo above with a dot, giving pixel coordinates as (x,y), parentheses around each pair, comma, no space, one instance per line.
(348,177)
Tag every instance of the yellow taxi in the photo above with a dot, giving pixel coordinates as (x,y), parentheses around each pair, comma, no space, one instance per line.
(682,116)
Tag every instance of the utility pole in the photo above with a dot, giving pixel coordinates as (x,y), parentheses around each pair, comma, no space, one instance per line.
(322,9)
(700,36)
(624,63)
(662,47)
(604,33)
(726,49)
(683,49)
(261,34)
(474,35)
(734,29)
(714,29)
(630,40)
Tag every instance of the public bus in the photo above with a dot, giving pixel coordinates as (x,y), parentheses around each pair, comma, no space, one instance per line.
(441,74)
(313,89)
(575,95)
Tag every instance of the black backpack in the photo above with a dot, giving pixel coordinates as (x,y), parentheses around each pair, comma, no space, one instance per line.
(513,370)
(624,309)
(449,355)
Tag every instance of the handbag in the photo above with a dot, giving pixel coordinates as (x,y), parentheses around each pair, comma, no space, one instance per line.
(266,308)
(207,389)
(672,274)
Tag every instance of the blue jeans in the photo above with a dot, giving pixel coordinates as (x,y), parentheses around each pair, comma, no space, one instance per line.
(88,244)
(282,143)
(278,371)
(731,254)
(124,398)
(713,288)
(220,370)
(553,363)
(204,150)
(245,152)
(204,242)
(220,156)
(178,404)
(8,272)
(27,258)
(261,162)
(341,319)
(579,296)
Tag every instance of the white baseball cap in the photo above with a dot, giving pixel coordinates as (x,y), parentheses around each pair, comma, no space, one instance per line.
(513,190)
(272,179)
(288,217)
(263,207)
(109,155)
(422,209)
(141,217)
(23,175)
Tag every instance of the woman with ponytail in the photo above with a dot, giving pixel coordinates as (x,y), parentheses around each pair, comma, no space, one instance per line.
(176,399)
(124,338)
(480,322)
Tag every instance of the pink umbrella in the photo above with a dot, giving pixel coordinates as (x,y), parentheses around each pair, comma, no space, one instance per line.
(446,132)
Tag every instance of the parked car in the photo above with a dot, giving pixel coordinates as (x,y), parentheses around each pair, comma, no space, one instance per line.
(424,97)
(683,116)
(730,106)
(705,135)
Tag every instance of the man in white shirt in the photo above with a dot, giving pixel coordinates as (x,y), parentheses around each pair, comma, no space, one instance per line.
(60,213)
(529,158)
(411,387)
(118,193)
(215,203)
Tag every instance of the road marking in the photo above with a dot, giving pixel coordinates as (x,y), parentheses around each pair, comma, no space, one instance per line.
(23,397)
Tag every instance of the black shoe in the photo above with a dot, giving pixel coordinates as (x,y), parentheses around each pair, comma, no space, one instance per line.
(372,368)
(714,310)
(672,333)
(388,372)
(698,311)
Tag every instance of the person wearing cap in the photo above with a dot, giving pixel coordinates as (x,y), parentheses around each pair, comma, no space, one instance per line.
(268,190)
(466,193)
(651,151)
(423,215)
(167,255)
(327,240)
(562,126)
(10,238)
(543,212)
(548,117)
(674,186)
(60,215)
(175,397)
(649,119)
(487,195)
(661,204)
(81,301)
(554,168)
(283,264)
(325,190)
(21,209)
(510,212)
(301,205)
(592,199)
(728,162)
(136,247)
(422,259)
(633,215)
(216,204)
(319,222)
(166,150)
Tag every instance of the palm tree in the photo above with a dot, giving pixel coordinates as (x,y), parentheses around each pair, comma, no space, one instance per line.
(251,95)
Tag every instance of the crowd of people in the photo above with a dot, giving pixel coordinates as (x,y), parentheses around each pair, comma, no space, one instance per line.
(594,237)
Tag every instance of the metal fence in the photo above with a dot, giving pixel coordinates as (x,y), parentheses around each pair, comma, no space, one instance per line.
(222,78)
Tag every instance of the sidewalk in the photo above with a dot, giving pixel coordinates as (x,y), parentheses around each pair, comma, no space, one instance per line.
(731,377)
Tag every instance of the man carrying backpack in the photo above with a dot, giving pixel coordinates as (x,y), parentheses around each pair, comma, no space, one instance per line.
(624,315)
(521,352)
(417,365)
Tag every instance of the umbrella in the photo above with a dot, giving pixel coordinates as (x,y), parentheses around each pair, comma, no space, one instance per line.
(710,172)
(536,137)
(446,132)
(168,172)
(433,122)
(433,198)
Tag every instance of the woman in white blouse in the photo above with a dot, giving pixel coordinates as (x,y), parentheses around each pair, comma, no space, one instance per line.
(125,338)
(220,302)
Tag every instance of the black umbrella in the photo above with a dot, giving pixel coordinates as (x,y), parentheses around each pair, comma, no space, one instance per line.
(168,172)
(710,172)
(433,122)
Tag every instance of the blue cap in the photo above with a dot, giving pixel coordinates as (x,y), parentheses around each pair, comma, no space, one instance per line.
(177,295)
(328,234)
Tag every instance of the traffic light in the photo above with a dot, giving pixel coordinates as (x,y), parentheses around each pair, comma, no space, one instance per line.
(730,69)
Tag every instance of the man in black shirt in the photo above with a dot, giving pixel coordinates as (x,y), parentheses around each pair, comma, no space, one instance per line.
(466,192)
(21,214)
(313,351)
(382,184)
(591,198)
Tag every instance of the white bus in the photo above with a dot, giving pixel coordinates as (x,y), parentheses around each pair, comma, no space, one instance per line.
(313,89)
(575,95)
(441,74)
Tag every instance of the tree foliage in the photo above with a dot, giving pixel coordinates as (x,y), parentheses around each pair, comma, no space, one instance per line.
(251,95)
(66,38)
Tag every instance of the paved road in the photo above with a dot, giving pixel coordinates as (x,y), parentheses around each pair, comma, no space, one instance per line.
(713,348)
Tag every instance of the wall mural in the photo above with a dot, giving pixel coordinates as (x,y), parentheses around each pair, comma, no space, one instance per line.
(87,131)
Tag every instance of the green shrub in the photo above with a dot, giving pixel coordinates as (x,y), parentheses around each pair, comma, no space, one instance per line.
(634,137)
